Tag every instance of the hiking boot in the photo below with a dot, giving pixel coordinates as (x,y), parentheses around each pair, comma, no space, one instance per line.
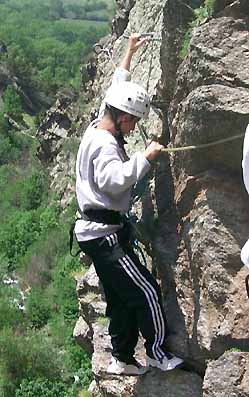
(168,363)
(134,368)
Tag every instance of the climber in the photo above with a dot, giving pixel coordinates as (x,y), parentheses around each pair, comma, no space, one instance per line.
(245,168)
(105,176)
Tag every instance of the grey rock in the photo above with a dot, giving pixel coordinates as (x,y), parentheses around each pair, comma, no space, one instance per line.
(208,114)
(218,54)
(83,335)
(170,384)
(88,283)
(228,376)
(155,383)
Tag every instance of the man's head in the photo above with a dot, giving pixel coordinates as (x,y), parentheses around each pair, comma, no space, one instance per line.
(123,122)
(127,103)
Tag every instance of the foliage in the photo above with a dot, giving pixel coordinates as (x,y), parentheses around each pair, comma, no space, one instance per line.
(64,288)
(103,321)
(38,354)
(26,357)
(38,309)
(200,13)
(12,103)
(41,388)
(16,235)
(71,145)
(10,315)
(12,145)
(34,190)
(46,53)
(210,5)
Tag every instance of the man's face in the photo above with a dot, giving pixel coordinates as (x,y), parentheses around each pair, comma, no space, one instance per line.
(127,123)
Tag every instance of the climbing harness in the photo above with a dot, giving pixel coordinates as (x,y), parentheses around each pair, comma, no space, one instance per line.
(109,217)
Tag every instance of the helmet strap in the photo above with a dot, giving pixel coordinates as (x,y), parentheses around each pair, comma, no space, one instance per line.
(114,116)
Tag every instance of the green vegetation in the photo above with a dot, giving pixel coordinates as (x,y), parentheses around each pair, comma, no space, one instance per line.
(233,350)
(200,13)
(46,43)
(102,321)
(45,54)
(37,351)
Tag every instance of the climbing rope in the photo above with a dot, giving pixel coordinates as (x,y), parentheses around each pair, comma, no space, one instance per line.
(98,48)
(146,141)
(202,146)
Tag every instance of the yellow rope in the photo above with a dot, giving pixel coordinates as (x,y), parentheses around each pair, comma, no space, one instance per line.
(202,146)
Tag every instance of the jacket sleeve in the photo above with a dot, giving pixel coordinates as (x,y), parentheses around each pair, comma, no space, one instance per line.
(114,176)
(245,161)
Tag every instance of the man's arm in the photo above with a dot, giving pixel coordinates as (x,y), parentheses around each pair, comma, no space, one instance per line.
(134,43)
(122,72)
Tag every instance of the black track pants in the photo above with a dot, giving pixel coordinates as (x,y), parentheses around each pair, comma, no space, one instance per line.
(132,294)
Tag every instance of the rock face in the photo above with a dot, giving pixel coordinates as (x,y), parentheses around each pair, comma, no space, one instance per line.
(58,144)
(228,376)
(210,103)
(193,206)
(121,19)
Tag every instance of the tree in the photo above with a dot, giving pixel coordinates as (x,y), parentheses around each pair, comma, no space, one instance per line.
(12,103)
(28,356)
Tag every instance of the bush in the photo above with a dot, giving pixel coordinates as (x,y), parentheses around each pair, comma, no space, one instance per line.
(79,363)
(49,219)
(26,357)
(38,309)
(11,145)
(41,388)
(10,315)
(65,295)
(34,190)
(16,235)
(12,103)
(201,13)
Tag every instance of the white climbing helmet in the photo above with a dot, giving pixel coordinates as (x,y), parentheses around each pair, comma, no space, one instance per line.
(130,98)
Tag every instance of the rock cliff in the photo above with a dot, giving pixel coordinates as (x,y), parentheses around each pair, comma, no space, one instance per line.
(194,209)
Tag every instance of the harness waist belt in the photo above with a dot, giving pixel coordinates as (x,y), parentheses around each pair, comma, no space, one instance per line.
(109,217)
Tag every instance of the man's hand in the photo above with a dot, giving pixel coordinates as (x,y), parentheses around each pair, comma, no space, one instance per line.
(153,150)
(135,42)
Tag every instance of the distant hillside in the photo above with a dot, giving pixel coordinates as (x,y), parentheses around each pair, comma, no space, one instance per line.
(43,44)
